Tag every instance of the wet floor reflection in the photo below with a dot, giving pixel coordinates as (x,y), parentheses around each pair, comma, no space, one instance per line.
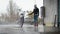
(36,29)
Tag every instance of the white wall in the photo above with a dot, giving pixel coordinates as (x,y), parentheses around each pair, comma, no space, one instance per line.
(51,10)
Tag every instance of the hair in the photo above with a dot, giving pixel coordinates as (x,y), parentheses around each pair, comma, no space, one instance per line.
(35,5)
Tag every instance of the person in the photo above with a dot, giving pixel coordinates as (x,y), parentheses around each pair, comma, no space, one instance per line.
(36,14)
(22,19)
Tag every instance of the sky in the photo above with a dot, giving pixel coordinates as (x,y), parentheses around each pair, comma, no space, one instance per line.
(23,4)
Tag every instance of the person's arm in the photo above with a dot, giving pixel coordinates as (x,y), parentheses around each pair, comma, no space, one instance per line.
(31,13)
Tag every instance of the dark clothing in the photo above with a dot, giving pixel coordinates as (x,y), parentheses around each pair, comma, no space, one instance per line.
(36,11)
(36,14)
(35,18)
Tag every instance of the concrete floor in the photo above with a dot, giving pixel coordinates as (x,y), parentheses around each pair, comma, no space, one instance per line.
(27,29)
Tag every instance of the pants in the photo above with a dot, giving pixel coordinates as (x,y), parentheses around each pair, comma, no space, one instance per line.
(36,20)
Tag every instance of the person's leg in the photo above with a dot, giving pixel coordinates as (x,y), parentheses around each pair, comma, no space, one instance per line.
(36,23)
(36,20)
(22,22)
